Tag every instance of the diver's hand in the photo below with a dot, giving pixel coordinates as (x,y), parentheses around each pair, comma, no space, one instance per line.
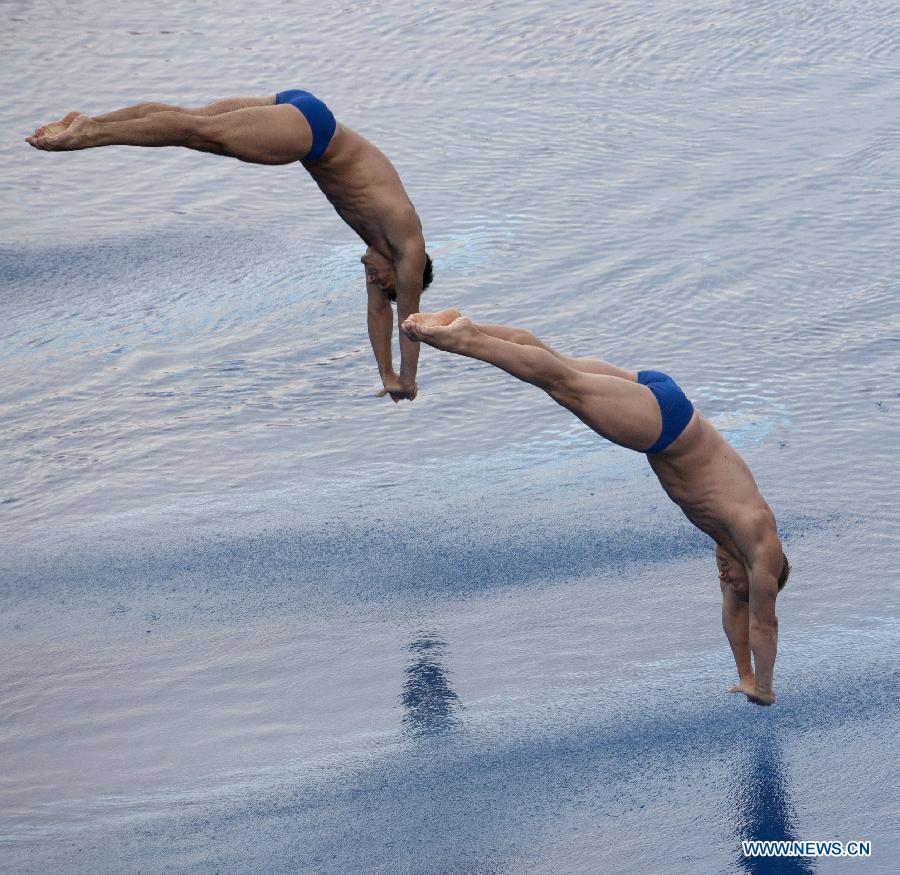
(397,389)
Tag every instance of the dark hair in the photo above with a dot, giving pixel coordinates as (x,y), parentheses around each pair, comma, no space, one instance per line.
(427,277)
(785,573)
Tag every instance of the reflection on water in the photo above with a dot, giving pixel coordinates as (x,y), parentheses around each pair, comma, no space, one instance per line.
(764,809)
(429,702)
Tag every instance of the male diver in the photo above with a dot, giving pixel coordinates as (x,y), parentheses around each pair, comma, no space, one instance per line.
(355,176)
(699,470)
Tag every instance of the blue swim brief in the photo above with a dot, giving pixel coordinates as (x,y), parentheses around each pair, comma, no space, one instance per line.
(674,406)
(317,114)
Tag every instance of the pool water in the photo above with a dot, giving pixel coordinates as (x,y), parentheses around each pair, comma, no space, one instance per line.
(254,619)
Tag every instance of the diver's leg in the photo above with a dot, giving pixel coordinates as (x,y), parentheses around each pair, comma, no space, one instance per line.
(259,135)
(140,110)
(617,408)
(524,337)
(228,104)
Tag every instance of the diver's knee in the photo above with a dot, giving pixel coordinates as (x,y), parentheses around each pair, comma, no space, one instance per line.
(205,134)
(154,108)
(524,337)
(564,386)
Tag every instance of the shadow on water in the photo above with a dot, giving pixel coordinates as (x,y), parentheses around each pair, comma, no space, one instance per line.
(463,802)
(764,808)
(364,562)
(429,701)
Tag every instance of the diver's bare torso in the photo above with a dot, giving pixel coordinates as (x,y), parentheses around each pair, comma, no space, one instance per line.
(707,478)
(365,190)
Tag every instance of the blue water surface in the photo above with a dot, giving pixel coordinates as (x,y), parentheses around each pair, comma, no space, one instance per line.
(254,619)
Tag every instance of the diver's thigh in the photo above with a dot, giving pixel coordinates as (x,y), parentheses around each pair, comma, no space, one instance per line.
(261,135)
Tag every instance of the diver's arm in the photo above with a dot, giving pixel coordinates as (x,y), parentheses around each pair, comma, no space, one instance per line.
(764,570)
(380,318)
(409,292)
(736,623)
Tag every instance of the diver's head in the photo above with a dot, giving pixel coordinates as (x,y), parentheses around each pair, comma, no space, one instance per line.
(733,574)
(380,271)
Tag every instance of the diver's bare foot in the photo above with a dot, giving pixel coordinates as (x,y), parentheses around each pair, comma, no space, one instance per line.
(70,133)
(441,330)
(426,320)
(54,128)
